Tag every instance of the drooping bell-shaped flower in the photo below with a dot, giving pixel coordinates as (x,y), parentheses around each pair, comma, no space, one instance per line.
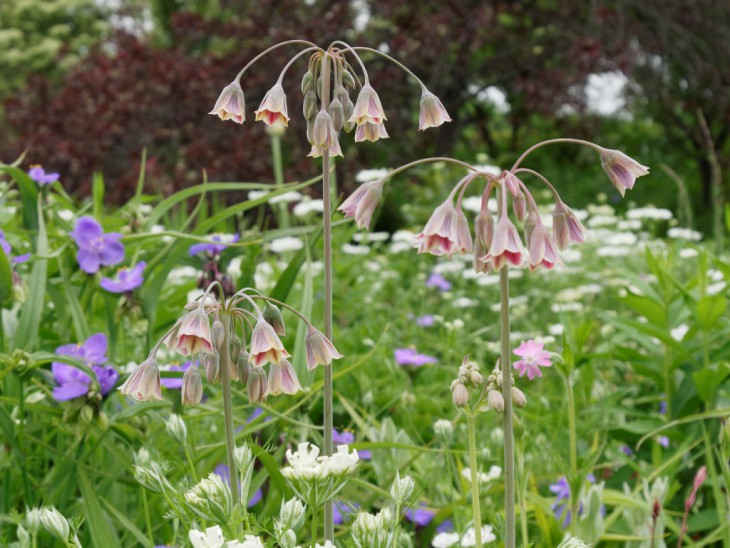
(320,351)
(543,252)
(483,235)
(324,136)
(231,104)
(622,170)
(192,386)
(506,246)
(272,110)
(567,227)
(433,113)
(256,384)
(193,335)
(266,345)
(144,382)
(463,234)
(440,235)
(361,204)
(282,378)
(368,107)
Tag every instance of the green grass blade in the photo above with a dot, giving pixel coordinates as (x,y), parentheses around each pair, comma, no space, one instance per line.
(102,532)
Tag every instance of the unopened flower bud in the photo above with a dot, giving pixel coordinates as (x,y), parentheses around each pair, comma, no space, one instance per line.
(33,520)
(256,384)
(443,428)
(529,227)
(55,523)
(401,489)
(235,348)
(519,206)
(307,83)
(243,366)
(342,96)
(218,334)
(292,514)
(561,233)
(459,395)
(212,365)
(337,112)
(475,377)
(23,537)
(349,110)
(286,539)
(310,131)
(192,386)
(273,317)
(348,79)
(495,400)
(432,113)
(243,457)
(144,382)
(176,428)
(310,106)
(518,397)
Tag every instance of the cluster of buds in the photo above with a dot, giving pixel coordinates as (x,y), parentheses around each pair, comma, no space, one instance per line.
(318,478)
(289,522)
(469,377)
(221,351)
(495,399)
(210,499)
(497,242)
(373,530)
(327,106)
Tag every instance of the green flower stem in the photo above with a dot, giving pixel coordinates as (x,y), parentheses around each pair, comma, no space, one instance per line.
(509,451)
(279,176)
(329,523)
(573,451)
(315,522)
(190,463)
(475,508)
(225,356)
(147,519)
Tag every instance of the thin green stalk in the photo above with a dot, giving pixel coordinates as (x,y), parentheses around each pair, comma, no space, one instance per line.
(329,523)
(714,481)
(190,463)
(475,509)
(147,519)
(315,522)
(225,356)
(668,382)
(509,451)
(573,452)
(523,488)
(394,542)
(278,175)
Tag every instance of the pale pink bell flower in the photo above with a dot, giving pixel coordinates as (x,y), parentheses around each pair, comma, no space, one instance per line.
(368,107)
(433,113)
(194,334)
(282,378)
(361,204)
(266,345)
(324,136)
(533,358)
(231,104)
(506,246)
(272,110)
(144,382)
(622,170)
(542,249)
(320,351)
(440,235)
(368,131)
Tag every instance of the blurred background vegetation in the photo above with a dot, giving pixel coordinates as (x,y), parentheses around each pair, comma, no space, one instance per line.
(86,85)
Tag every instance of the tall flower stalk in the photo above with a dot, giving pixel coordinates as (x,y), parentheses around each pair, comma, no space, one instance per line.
(328,110)
(497,247)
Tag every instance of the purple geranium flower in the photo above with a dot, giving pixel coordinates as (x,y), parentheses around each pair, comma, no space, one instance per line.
(5,246)
(175,383)
(346,438)
(425,321)
(421,516)
(96,249)
(562,491)
(214,249)
(409,356)
(39,175)
(127,279)
(72,382)
(445,526)
(438,281)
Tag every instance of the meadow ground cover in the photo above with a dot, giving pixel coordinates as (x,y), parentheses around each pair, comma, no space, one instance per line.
(623,350)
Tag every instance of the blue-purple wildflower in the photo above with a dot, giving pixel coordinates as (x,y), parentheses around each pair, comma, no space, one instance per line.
(7,249)
(420,516)
(74,383)
(39,175)
(96,249)
(409,356)
(175,383)
(438,281)
(214,249)
(127,279)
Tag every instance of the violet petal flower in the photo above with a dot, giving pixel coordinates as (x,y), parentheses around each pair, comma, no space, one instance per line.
(420,516)
(224,472)
(409,356)
(7,249)
(72,382)
(345,438)
(96,248)
(425,321)
(39,175)
(175,383)
(211,248)
(127,279)
(439,282)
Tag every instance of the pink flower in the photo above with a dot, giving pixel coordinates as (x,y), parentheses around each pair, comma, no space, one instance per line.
(533,357)
(231,104)
(511,182)
(320,351)
(368,131)
(506,246)
(272,110)
(266,345)
(433,113)
(282,378)
(542,249)
(324,136)
(440,236)
(622,170)
(368,107)
(144,383)
(566,226)
(362,203)
(193,335)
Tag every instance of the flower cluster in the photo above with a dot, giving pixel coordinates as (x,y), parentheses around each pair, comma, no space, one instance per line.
(469,377)
(220,348)
(497,242)
(327,114)
(317,478)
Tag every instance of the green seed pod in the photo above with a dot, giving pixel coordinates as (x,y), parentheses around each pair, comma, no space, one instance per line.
(337,113)
(310,106)
(348,79)
(307,82)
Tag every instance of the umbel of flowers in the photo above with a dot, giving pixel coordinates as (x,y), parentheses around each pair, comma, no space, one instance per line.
(216,328)
(516,237)
(329,110)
